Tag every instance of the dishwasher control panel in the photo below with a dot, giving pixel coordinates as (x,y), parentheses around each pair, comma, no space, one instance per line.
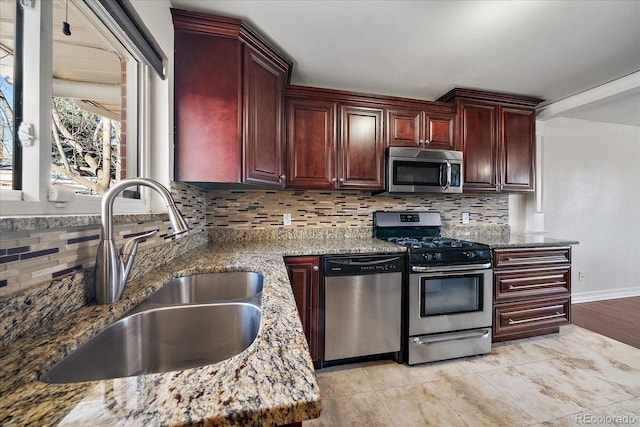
(365,264)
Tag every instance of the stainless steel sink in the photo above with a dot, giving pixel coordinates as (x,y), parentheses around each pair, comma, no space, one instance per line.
(161,340)
(208,287)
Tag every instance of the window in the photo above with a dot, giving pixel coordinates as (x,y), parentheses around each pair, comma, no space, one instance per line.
(89,109)
(83,97)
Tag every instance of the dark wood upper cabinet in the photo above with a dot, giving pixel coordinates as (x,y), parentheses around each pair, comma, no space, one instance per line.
(229,102)
(360,148)
(405,128)
(230,115)
(479,144)
(263,99)
(334,140)
(517,148)
(496,132)
(207,116)
(311,143)
(420,128)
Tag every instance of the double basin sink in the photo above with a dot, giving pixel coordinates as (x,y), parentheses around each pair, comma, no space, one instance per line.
(191,321)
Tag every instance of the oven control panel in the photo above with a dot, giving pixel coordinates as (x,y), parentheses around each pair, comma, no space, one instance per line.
(450,257)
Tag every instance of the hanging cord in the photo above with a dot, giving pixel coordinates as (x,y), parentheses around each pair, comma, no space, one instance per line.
(66,28)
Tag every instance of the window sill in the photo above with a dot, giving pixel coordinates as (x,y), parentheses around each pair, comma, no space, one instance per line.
(14,223)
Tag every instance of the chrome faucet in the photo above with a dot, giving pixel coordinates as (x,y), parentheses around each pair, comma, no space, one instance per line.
(112,269)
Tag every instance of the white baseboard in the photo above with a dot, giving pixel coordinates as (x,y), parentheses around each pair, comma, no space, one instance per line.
(577,298)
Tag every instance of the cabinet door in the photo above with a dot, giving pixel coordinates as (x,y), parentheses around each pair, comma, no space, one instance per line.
(405,128)
(305,282)
(517,149)
(263,99)
(439,130)
(207,115)
(478,138)
(360,149)
(311,143)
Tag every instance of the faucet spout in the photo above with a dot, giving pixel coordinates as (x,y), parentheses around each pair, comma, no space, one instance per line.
(113,268)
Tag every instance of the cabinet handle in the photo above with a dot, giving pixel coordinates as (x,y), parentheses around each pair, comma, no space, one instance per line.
(316,268)
(537,259)
(333,180)
(541,285)
(537,285)
(282,178)
(427,142)
(341,179)
(535,319)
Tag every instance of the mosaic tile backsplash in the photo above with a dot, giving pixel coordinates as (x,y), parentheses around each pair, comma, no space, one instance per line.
(318,209)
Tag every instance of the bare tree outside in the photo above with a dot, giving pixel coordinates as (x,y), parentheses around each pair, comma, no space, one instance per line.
(85,147)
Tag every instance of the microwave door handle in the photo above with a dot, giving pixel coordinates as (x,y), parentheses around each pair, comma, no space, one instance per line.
(448,182)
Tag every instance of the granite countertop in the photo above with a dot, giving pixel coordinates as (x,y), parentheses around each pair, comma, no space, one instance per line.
(270,383)
(521,241)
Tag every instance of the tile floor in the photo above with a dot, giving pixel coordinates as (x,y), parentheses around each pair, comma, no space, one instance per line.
(576,377)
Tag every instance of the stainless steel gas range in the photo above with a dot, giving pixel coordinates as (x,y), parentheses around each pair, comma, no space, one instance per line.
(449,293)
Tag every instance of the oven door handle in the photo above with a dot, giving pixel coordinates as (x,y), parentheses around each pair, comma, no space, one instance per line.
(431,340)
(450,268)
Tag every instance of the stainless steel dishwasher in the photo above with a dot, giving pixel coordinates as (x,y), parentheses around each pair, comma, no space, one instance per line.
(363,305)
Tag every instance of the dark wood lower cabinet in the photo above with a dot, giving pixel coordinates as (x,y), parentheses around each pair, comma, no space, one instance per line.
(532,291)
(530,316)
(304,274)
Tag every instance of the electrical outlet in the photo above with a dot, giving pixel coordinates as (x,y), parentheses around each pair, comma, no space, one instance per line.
(580,276)
(286,219)
(465,217)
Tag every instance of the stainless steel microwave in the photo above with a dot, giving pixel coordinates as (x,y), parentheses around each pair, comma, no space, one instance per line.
(423,170)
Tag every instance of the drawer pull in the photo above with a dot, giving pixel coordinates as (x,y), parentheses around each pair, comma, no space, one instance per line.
(537,285)
(537,260)
(535,319)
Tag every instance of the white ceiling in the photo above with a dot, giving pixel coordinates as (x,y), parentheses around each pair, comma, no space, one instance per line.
(422,49)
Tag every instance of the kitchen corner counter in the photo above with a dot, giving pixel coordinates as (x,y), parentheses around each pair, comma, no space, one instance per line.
(521,241)
(271,383)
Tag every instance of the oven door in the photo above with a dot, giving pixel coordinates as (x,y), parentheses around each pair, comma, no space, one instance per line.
(449,300)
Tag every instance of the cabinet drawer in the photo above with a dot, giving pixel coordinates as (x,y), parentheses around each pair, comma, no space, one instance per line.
(531,283)
(520,317)
(530,257)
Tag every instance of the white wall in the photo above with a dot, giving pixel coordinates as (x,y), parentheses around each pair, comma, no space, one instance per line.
(592,194)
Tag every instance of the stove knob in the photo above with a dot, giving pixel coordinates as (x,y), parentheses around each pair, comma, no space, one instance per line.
(471,255)
(438,256)
(428,257)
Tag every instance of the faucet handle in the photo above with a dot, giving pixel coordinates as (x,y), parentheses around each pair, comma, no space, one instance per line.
(130,248)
